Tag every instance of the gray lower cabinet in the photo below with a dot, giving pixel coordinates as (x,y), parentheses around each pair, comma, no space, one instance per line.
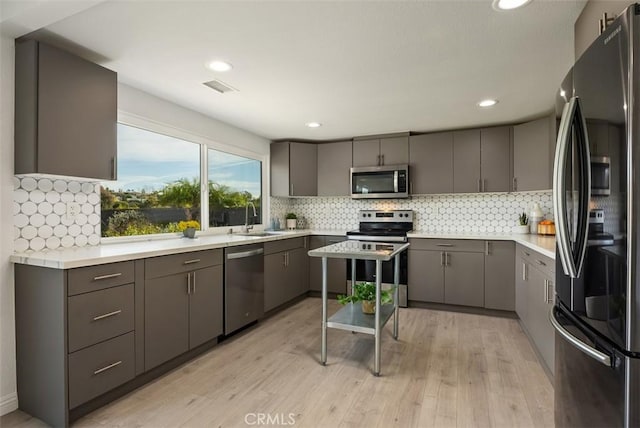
(286,271)
(446,271)
(334,161)
(534,299)
(533,153)
(66,111)
(78,335)
(336,268)
(182,309)
(425,276)
(499,274)
(464,279)
(431,164)
(294,169)
(381,150)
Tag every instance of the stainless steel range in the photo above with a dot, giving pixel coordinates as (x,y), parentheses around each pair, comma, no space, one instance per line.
(383,226)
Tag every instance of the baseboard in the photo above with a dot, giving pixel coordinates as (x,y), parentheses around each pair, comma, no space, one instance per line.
(8,403)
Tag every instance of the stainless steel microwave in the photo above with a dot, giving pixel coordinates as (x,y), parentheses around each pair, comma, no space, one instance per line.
(380,182)
(600,175)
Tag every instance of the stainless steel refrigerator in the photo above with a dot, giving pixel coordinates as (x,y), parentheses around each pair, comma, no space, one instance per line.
(597,310)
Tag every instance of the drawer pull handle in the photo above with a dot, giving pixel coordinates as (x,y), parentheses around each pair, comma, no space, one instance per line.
(526,254)
(190,262)
(111,275)
(540,262)
(110,314)
(444,245)
(109,367)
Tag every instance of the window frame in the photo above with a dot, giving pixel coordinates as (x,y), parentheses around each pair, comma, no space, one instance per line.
(205,144)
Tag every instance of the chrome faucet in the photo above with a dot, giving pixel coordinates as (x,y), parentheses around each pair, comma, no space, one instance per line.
(247,226)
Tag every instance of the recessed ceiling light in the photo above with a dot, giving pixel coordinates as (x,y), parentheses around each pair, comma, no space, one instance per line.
(313,124)
(487,103)
(509,4)
(219,66)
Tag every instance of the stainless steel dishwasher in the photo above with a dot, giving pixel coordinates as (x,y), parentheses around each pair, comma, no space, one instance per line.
(243,286)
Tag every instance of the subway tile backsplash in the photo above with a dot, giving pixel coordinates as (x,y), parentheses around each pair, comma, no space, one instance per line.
(40,213)
(453,213)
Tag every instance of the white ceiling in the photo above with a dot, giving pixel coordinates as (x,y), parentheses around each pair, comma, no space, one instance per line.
(357,67)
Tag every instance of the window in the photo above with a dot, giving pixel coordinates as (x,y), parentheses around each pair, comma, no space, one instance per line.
(158,184)
(235,189)
(158,188)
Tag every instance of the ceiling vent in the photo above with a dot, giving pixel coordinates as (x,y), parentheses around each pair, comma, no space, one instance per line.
(220,86)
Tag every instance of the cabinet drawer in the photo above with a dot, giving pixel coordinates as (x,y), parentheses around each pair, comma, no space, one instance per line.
(546,264)
(100,368)
(101,315)
(92,278)
(156,267)
(334,239)
(284,245)
(451,245)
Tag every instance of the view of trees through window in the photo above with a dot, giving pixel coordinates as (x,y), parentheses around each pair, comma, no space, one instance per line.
(158,187)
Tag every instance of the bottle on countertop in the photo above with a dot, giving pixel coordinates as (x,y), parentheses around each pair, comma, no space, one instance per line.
(535,217)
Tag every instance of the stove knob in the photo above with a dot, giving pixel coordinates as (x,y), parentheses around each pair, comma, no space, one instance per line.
(368,215)
(364,215)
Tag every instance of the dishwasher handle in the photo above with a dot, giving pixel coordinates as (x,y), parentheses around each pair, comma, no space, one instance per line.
(244,254)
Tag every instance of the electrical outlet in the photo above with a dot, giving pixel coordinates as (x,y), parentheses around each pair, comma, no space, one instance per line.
(73,209)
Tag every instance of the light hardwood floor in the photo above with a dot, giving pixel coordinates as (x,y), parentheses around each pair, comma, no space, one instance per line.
(446,370)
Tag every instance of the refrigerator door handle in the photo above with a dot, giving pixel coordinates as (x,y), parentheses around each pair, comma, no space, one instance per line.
(559,202)
(577,343)
(585,187)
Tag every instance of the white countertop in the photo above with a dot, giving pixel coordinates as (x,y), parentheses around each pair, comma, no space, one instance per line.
(544,244)
(69,258)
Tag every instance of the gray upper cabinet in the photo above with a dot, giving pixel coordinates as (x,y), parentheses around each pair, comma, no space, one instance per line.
(381,150)
(334,161)
(499,274)
(586,27)
(495,159)
(66,114)
(431,157)
(466,161)
(533,153)
(294,169)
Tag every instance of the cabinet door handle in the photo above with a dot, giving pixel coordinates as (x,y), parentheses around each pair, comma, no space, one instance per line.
(479,185)
(524,271)
(188,283)
(190,262)
(515,184)
(486,248)
(291,185)
(382,163)
(111,275)
(284,259)
(193,284)
(484,185)
(109,367)
(549,298)
(540,262)
(442,258)
(110,314)
(114,168)
(447,259)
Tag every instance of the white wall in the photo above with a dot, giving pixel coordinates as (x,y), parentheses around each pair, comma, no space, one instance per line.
(135,102)
(8,399)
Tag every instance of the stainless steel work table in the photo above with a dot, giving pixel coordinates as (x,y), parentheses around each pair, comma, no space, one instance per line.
(350,317)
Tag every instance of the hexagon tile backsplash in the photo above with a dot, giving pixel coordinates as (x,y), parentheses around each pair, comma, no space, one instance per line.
(40,218)
(459,213)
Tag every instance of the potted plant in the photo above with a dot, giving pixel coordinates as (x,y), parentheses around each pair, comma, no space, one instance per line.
(523,224)
(291,221)
(189,228)
(365,292)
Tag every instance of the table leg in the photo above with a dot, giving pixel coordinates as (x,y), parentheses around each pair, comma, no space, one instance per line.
(353,274)
(323,357)
(376,367)
(396,295)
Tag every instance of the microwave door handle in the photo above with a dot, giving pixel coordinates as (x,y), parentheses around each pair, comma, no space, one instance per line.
(395,181)
(559,196)
(582,231)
